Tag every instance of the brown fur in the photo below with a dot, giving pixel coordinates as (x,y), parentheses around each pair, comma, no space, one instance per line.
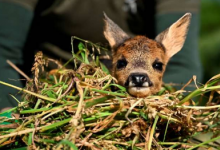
(141,53)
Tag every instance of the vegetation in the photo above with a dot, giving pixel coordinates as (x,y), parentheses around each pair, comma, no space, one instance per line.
(85,108)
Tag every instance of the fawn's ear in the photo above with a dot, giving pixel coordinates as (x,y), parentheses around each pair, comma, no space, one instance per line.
(174,37)
(113,33)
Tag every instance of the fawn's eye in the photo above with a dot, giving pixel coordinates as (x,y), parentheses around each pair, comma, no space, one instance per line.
(121,64)
(158,66)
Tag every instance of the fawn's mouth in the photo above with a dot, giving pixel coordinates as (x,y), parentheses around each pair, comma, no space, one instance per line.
(139,85)
(139,91)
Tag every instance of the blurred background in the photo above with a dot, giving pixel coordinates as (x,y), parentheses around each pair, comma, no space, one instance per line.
(209,41)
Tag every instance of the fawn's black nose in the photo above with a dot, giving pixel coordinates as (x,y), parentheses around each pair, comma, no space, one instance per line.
(139,80)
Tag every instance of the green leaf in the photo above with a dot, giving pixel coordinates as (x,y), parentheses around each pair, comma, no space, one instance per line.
(98,100)
(123,89)
(97,62)
(143,115)
(30,138)
(104,68)
(51,94)
(81,46)
(55,125)
(72,145)
(83,55)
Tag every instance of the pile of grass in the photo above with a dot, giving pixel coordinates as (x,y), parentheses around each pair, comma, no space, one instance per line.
(85,108)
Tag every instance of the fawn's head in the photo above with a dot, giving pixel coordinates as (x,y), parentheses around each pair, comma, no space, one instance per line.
(139,62)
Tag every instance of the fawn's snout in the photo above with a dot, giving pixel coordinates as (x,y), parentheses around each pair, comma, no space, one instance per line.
(139,63)
(138,80)
(138,83)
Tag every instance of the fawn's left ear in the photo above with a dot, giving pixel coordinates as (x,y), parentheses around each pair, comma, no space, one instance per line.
(113,33)
(174,37)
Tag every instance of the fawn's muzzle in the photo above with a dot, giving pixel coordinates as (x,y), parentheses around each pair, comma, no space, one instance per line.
(138,84)
(138,80)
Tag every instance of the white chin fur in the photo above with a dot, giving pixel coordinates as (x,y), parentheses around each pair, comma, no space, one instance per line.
(139,91)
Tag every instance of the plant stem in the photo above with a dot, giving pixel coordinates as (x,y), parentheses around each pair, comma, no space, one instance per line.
(198,92)
(29,92)
(203,143)
(152,132)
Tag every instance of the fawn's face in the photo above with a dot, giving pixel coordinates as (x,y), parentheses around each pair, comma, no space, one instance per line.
(139,63)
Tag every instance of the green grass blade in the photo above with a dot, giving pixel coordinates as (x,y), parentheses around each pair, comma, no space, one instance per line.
(70,144)
(55,125)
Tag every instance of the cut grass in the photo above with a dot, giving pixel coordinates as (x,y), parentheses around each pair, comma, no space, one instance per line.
(63,109)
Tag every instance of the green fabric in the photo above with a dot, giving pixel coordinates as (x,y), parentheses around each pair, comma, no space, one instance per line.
(14,26)
(186,63)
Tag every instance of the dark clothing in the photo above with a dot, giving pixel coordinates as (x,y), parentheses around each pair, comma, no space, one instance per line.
(15,21)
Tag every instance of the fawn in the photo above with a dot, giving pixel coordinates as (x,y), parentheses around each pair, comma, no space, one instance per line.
(139,63)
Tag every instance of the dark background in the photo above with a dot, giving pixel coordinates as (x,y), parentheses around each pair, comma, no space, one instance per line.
(209,41)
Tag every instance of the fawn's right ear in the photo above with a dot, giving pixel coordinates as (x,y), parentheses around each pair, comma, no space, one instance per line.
(113,33)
